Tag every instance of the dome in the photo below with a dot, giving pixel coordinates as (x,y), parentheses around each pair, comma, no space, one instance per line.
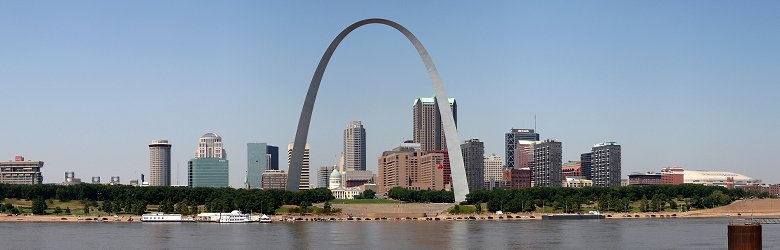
(335,174)
(209,135)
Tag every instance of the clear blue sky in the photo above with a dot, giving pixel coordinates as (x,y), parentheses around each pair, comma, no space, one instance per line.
(86,85)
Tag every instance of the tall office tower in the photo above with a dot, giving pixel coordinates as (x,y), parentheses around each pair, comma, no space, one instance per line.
(548,160)
(492,171)
(305,179)
(20,171)
(606,164)
(474,160)
(159,163)
(207,172)
(323,174)
(355,146)
(210,166)
(511,138)
(260,157)
(587,165)
(210,146)
(524,154)
(427,129)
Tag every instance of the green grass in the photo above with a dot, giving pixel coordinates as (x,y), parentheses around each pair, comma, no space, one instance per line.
(365,201)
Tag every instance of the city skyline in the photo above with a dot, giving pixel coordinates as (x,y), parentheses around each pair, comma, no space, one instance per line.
(671,77)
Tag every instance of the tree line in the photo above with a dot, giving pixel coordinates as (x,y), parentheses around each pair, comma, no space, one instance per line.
(619,199)
(186,200)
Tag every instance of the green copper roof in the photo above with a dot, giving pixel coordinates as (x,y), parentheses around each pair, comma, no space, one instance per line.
(430,100)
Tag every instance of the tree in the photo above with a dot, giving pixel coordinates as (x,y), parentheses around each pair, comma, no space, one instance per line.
(368,194)
(643,204)
(67,210)
(327,208)
(57,210)
(86,208)
(39,206)
(166,207)
(478,207)
(108,207)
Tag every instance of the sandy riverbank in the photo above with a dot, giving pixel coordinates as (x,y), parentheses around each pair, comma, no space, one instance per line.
(738,209)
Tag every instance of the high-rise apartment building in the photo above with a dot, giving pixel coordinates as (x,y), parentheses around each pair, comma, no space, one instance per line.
(20,171)
(586,160)
(305,176)
(427,126)
(548,157)
(492,171)
(511,138)
(260,157)
(159,163)
(210,146)
(606,164)
(323,175)
(474,160)
(355,146)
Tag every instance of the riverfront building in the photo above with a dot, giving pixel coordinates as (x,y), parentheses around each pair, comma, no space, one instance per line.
(418,170)
(20,171)
(260,157)
(572,168)
(606,164)
(517,178)
(492,175)
(474,160)
(547,163)
(586,161)
(355,147)
(305,181)
(159,163)
(207,172)
(274,179)
(427,126)
(644,179)
(511,139)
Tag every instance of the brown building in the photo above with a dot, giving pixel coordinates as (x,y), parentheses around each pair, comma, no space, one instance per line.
(517,178)
(274,179)
(638,179)
(427,128)
(672,176)
(410,168)
(20,171)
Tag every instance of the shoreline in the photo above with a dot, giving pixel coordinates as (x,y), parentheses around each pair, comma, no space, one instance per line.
(346,218)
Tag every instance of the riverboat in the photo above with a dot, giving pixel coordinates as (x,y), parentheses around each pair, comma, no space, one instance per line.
(265,219)
(161,217)
(592,215)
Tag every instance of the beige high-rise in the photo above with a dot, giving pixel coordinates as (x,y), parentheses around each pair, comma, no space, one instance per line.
(305,176)
(160,163)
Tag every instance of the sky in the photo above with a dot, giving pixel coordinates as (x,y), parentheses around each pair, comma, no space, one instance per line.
(85,86)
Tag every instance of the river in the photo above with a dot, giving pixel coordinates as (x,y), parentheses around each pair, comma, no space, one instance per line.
(699,233)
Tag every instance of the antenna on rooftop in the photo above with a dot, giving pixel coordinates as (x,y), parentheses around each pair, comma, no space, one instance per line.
(535,123)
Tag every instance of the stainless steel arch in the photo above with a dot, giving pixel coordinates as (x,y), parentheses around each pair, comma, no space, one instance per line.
(459,184)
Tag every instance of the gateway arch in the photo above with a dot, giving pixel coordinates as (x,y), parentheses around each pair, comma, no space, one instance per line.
(459,184)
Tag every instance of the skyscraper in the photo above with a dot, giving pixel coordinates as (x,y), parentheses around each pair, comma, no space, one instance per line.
(207,172)
(260,157)
(210,146)
(305,179)
(474,160)
(355,146)
(606,164)
(587,165)
(210,167)
(159,163)
(548,160)
(524,154)
(492,171)
(323,174)
(427,129)
(511,138)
